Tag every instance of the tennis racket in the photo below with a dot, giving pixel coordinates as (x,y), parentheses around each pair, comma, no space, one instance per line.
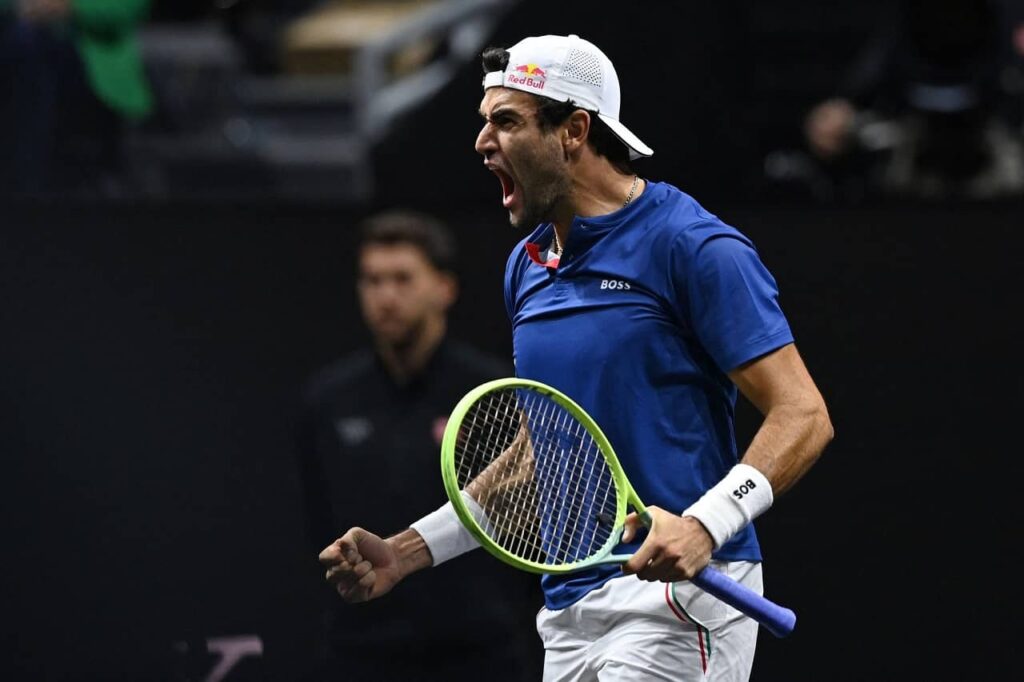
(535,480)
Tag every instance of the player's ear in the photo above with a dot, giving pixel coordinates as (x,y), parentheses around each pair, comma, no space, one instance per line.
(575,131)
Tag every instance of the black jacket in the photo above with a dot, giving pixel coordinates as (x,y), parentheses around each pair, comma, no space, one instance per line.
(370,456)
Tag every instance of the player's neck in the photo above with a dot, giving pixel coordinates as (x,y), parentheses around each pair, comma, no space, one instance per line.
(405,361)
(598,189)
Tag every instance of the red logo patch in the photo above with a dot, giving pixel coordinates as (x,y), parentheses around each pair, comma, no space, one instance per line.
(530,75)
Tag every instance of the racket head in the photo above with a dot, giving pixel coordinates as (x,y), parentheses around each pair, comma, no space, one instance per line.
(532,477)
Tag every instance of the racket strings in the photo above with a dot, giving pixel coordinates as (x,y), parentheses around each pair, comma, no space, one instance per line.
(570,492)
(502,488)
(525,497)
(588,488)
(546,492)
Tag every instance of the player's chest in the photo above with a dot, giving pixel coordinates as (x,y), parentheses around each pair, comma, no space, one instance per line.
(601,291)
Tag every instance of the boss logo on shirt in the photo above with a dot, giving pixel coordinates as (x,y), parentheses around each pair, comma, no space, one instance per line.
(614,284)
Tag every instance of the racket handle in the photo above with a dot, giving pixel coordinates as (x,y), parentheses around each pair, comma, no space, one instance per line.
(777,619)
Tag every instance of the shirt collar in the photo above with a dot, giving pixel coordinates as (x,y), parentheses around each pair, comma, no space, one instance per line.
(584,232)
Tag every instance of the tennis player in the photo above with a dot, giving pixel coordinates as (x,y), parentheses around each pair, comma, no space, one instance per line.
(652,314)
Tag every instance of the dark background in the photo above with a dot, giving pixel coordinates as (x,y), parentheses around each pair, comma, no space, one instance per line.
(151,354)
(151,360)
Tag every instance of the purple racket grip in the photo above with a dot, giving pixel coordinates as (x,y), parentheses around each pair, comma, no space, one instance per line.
(777,619)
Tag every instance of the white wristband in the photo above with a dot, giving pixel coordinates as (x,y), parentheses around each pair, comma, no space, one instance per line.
(444,533)
(739,498)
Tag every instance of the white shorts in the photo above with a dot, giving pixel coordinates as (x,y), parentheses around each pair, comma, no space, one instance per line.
(632,630)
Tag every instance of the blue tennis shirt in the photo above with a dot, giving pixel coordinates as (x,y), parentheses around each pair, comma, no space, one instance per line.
(641,319)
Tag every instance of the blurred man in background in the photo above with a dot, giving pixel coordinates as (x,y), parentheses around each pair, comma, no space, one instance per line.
(71,76)
(931,107)
(370,444)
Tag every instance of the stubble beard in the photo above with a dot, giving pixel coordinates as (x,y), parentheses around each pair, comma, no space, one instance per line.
(531,217)
(542,208)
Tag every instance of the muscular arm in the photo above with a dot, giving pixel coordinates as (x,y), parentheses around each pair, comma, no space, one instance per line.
(411,551)
(795,431)
(796,425)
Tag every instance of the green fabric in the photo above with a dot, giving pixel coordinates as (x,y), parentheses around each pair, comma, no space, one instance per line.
(105,36)
(109,16)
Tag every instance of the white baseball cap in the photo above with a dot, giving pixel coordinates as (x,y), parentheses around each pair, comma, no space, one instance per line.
(568,69)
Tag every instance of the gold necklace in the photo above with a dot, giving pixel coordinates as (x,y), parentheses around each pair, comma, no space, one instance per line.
(632,190)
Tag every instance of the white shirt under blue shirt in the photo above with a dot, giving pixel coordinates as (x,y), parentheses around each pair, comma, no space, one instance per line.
(647,310)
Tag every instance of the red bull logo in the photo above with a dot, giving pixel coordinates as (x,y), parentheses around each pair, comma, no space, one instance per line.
(530,75)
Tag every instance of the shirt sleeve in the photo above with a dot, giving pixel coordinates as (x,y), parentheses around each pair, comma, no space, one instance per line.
(728,297)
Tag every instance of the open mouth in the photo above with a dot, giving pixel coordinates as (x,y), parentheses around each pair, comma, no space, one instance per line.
(508,187)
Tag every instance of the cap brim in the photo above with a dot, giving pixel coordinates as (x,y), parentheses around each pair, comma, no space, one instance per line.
(637,149)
